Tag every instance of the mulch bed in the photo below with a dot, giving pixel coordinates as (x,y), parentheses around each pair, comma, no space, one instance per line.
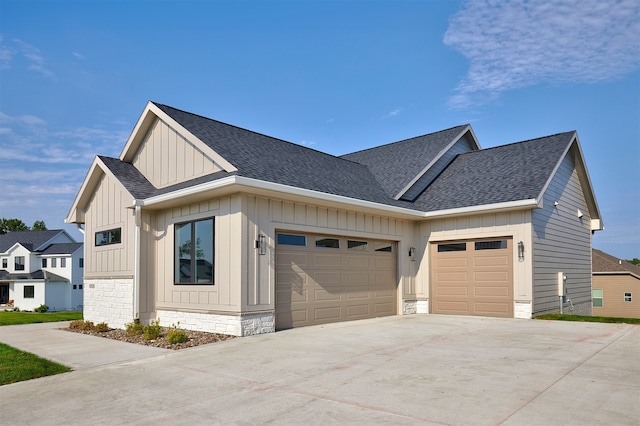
(194,338)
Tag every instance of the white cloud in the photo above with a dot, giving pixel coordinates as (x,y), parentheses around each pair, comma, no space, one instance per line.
(35,60)
(512,44)
(78,55)
(307,143)
(393,113)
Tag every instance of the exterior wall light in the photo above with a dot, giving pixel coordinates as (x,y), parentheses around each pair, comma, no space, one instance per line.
(261,245)
(412,253)
(521,251)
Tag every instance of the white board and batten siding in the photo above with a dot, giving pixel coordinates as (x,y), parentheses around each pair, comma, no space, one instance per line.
(166,158)
(515,224)
(107,210)
(562,243)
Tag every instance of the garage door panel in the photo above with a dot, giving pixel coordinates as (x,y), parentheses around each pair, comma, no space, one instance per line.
(492,309)
(384,308)
(354,278)
(323,260)
(452,276)
(357,294)
(490,291)
(330,313)
(324,295)
(291,259)
(453,290)
(384,262)
(358,311)
(453,307)
(451,262)
(358,262)
(327,278)
(491,261)
(383,278)
(491,276)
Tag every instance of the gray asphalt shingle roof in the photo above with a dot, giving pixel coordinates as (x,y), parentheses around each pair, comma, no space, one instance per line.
(36,275)
(62,248)
(29,239)
(394,165)
(513,172)
(506,173)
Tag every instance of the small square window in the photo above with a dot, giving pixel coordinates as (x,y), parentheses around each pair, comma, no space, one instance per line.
(627,296)
(80,286)
(75,286)
(29,292)
(63,262)
(44,262)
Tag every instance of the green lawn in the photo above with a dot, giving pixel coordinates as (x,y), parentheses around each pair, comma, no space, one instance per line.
(17,365)
(13,318)
(567,317)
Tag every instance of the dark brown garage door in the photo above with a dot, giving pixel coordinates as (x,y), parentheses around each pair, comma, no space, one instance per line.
(322,279)
(472,277)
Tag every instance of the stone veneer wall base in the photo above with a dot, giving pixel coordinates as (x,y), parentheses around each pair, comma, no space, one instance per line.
(108,300)
(236,325)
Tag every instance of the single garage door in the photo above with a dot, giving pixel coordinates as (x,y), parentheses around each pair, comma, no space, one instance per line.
(322,279)
(472,277)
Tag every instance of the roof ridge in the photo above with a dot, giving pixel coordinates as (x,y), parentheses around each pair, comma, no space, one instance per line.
(249,131)
(407,139)
(525,141)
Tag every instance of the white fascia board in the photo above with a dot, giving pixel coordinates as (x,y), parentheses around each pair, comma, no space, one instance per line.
(72,216)
(150,113)
(484,208)
(359,204)
(276,187)
(436,158)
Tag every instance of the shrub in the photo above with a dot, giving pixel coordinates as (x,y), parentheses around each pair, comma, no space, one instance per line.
(87,326)
(175,335)
(134,328)
(102,327)
(76,325)
(16,309)
(42,308)
(153,330)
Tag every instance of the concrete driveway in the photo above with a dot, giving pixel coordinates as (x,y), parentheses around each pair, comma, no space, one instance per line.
(418,369)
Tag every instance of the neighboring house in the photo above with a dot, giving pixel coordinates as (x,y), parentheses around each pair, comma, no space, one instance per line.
(224,229)
(616,287)
(41,267)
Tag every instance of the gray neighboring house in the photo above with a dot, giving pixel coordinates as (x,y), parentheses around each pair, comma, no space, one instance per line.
(228,230)
(41,267)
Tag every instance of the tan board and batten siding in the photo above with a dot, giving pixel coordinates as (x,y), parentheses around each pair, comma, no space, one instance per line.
(475,278)
(114,260)
(562,242)
(325,278)
(166,158)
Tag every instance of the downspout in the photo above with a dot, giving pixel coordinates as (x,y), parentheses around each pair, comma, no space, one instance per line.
(136,263)
(79,225)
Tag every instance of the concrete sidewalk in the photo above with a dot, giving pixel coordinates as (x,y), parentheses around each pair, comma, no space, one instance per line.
(418,369)
(75,350)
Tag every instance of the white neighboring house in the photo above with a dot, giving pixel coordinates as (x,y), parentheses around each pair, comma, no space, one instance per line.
(41,267)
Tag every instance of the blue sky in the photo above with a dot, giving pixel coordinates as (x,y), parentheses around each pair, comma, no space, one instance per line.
(337,76)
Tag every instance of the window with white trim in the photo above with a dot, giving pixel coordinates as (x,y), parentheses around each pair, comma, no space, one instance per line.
(596,295)
(19,263)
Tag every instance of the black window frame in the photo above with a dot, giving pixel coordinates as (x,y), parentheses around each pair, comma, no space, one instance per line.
(451,247)
(63,262)
(32,292)
(19,266)
(193,249)
(5,263)
(81,262)
(111,236)
(44,262)
(291,239)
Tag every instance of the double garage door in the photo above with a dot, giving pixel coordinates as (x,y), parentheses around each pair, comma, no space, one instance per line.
(472,277)
(322,279)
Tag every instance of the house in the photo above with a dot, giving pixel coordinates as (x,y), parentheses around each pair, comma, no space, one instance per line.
(616,287)
(224,229)
(41,267)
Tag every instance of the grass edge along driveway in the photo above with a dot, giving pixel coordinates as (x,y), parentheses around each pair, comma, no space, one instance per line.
(17,365)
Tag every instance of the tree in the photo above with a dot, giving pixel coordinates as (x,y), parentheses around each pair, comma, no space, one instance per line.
(39,225)
(11,225)
(634,261)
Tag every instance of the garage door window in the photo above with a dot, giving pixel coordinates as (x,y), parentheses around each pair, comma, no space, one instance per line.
(358,245)
(327,242)
(452,247)
(381,246)
(292,240)
(491,245)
